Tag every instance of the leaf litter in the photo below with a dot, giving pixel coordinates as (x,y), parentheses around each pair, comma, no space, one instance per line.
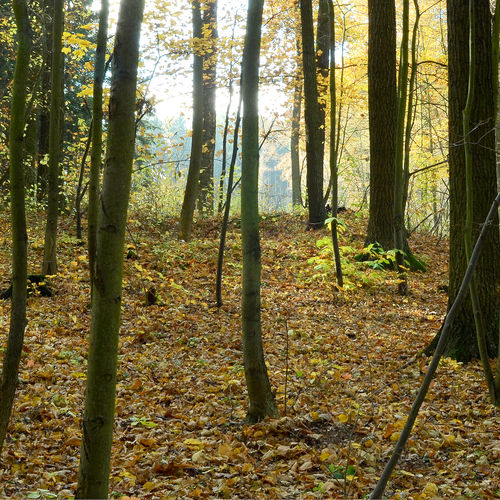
(344,362)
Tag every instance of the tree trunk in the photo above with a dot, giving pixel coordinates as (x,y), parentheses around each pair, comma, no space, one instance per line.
(49,265)
(96,154)
(98,418)
(382,111)
(399,223)
(44,106)
(206,192)
(323,69)
(261,398)
(191,192)
(294,143)
(12,357)
(314,157)
(463,345)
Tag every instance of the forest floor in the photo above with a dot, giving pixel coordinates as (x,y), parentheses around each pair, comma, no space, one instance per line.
(345,363)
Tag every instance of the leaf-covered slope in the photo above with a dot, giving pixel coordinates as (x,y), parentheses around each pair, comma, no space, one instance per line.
(345,361)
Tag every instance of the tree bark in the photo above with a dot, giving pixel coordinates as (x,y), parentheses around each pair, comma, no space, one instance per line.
(463,345)
(261,398)
(49,265)
(98,418)
(96,154)
(314,156)
(206,191)
(382,111)
(192,184)
(12,357)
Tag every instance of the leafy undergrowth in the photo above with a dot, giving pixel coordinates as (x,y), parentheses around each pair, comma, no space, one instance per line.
(345,363)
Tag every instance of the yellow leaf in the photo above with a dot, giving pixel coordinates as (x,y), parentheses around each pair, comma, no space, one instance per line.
(343,418)
(225,450)
(246,468)
(325,455)
(395,436)
(430,490)
(193,443)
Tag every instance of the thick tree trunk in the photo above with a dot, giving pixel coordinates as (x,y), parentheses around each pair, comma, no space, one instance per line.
(206,192)
(463,345)
(98,418)
(261,398)
(314,156)
(49,265)
(382,110)
(96,154)
(12,357)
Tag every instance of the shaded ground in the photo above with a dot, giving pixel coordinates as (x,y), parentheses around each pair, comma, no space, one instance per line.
(345,362)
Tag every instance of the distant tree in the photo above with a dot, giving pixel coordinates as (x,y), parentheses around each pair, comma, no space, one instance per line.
(463,345)
(382,111)
(100,396)
(49,265)
(260,396)
(192,184)
(209,30)
(314,146)
(12,357)
(295,124)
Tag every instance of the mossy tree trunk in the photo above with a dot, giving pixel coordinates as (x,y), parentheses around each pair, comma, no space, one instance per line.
(382,113)
(49,264)
(97,116)
(463,345)
(314,146)
(98,418)
(12,357)
(260,396)
(193,179)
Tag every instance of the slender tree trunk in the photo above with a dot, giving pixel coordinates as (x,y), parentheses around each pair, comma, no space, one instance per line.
(261,398)
(295,143)
(410,109)
(206,191)
(382,111)
(399,224)
(333,151)
(227,208)
(98,418)
(323,69)
(80,190)
(44,113)
(12,357)
(314,156)
(49,265)
(96,154)
(192,184)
